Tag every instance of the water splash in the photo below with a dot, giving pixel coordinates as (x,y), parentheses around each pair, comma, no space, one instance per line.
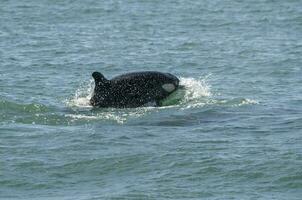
(196,88)
(82,96)
(194,93)
(235,102)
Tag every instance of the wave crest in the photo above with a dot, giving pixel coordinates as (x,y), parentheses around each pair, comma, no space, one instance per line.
(193,93)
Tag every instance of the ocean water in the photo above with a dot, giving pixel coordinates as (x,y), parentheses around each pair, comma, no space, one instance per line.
(235,132)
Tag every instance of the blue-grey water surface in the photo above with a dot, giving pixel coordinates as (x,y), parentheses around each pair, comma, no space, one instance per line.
(235,133)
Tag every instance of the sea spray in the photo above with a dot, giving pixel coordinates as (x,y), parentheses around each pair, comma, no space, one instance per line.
(191,93)
(191,90)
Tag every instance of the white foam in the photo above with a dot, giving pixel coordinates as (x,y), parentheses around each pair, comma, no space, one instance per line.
(82,96)
(105,115)
(195,88)
(197,93)
(247,102)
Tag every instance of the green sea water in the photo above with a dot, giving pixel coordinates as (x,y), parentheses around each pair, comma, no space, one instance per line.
(234,132)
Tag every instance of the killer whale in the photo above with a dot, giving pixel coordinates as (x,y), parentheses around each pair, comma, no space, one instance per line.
(134,89)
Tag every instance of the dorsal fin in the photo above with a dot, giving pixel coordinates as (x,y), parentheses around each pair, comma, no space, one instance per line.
(99,78)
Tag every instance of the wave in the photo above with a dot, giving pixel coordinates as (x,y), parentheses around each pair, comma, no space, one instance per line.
(23,108)
(82,96)
(193,90)
(194,93)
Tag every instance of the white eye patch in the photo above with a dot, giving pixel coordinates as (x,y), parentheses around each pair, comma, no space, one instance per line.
(169,87)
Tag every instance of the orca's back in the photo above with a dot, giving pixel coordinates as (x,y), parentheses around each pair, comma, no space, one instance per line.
(149,76)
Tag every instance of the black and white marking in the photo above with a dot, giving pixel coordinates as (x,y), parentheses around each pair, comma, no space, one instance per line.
(133,89)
